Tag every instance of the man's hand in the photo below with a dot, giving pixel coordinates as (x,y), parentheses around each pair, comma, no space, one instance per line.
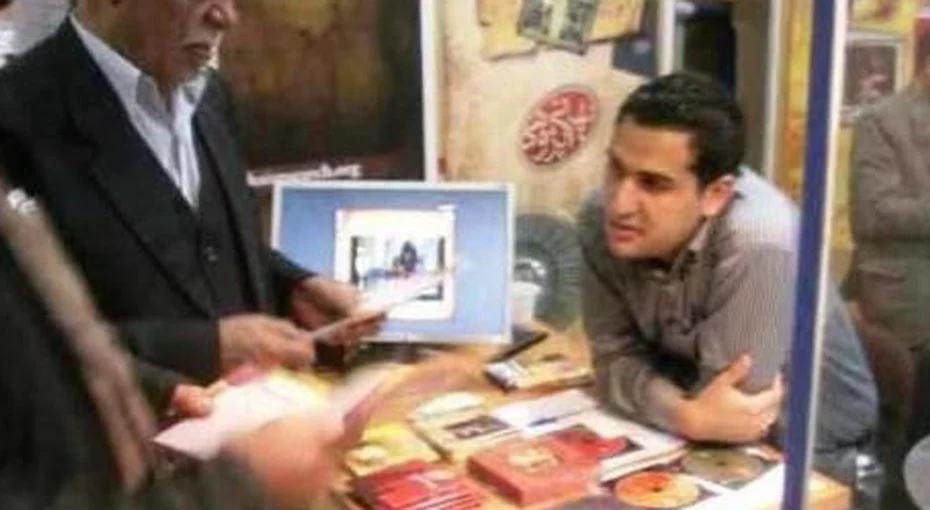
(192,401)
(318,300)
(294,457)
(722,412)
(264,341)
(189,401)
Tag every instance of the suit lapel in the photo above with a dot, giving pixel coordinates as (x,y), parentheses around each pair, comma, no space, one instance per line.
(920,158)
(223,150)
(129,176)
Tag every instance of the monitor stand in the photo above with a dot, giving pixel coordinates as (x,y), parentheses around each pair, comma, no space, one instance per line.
(522,337)
(407,353)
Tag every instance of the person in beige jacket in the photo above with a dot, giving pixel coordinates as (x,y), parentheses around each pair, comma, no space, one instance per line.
(889,277)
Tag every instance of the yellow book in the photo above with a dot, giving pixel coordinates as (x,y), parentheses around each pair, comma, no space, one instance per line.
(384,446)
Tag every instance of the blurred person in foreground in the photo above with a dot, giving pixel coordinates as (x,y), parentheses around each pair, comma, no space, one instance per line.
(690,264)
(121,128)
(74,427)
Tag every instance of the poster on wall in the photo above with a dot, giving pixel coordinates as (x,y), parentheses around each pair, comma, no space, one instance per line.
(874,71)
(529,93)
(893,16)
(328,90)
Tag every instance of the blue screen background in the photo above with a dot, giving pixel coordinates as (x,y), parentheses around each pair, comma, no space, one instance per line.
(306,234)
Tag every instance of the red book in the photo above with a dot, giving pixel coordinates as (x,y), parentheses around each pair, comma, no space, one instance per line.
(589,444)
(416,485)
(532,471)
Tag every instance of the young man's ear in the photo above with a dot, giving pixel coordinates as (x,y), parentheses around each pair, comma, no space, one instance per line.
(717,194)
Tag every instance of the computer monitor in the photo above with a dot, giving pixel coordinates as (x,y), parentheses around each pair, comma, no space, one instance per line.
(369,232)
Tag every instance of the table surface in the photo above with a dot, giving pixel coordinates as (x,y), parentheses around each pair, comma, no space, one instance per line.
(825,493)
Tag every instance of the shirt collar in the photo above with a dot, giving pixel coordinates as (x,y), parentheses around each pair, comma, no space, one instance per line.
(698,243)
(130,84)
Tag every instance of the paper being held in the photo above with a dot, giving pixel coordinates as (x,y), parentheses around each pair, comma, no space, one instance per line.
(254,404)
(382,299)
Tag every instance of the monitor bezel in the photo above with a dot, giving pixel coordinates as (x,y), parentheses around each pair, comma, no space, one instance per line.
(504,337)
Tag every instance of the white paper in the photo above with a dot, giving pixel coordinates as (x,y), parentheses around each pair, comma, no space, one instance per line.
(383,299)
(240,409)
(252,405)
(359,385)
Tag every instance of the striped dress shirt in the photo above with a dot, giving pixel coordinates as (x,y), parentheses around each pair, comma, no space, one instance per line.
(658,334)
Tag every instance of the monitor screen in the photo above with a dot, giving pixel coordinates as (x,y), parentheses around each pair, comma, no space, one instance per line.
(370,233)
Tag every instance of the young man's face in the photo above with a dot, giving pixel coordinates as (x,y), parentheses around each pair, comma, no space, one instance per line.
(654,202)
(173,39)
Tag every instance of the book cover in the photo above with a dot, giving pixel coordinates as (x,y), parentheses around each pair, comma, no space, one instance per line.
(533,471)
(386,445)
(590,444)
(462,435)
(515,374)
(416,485)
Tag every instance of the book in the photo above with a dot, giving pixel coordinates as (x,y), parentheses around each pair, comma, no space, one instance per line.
(416,485)
(534,471)
(384,446)
(514,374)
(459,435)
(642,445)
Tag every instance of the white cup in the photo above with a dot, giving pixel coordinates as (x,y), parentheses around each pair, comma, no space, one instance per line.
(523,296)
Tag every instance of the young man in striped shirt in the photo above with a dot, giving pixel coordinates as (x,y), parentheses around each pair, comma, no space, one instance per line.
(690,264)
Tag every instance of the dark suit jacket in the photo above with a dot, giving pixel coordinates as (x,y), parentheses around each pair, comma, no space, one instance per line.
(890,213)
(66,139)
(54,453)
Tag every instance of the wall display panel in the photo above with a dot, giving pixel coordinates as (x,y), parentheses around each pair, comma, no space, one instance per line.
(529,93)
(332,88)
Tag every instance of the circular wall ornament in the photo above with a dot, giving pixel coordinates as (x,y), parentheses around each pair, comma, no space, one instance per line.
(548,255)
(558,126)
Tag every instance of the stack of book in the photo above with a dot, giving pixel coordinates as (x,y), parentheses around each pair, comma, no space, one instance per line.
(416,485)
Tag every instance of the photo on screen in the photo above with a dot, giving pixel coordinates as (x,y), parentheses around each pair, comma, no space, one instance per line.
(376,248)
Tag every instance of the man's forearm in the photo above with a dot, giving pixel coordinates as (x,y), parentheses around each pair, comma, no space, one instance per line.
(630,385)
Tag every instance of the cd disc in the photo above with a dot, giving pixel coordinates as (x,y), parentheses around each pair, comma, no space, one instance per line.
(724,466)
(656,489)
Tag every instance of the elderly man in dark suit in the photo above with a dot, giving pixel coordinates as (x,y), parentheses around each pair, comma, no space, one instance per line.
(118,124)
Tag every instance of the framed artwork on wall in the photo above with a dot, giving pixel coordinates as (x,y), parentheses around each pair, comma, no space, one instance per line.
(331,90)
(873,70)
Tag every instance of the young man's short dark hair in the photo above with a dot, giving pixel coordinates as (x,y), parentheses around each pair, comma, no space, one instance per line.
(698,105)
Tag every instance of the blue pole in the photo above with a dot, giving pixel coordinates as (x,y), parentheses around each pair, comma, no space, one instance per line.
(813,209)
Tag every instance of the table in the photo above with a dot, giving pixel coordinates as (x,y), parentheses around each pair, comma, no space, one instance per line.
(825,493)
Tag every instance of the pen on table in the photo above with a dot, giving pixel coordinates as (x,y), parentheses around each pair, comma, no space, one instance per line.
(543,421)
